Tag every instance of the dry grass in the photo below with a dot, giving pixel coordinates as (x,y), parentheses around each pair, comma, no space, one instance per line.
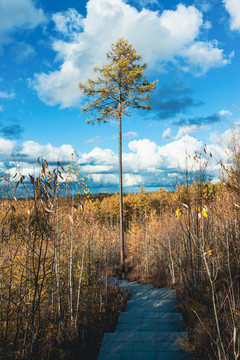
(54,251)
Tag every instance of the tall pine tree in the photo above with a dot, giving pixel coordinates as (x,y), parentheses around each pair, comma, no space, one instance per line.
(119,87)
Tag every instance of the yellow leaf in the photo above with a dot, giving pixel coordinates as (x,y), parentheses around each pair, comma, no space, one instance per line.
(178,213)
(204,212)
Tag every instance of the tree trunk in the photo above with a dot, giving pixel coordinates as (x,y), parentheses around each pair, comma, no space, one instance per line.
(122,252)
(71,266)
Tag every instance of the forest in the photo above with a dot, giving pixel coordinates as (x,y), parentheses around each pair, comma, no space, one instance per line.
(57,249)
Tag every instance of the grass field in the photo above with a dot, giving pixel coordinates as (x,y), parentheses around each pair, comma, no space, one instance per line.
(54,251)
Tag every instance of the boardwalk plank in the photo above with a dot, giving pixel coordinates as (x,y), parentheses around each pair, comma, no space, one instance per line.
(148,329)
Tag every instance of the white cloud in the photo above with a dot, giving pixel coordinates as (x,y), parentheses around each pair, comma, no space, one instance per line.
(146,163)
(225,112)
(34,169)
(203,56)
(99,156)
(187,129)
(68,22)
(160,38)
(5,95)
(173,175)
(233,7)
(22,158)
(144,156)
(60,86)
(203,5)
(176,25)
(147,157)
(6,148)
(24,169)
(130,134)
(218,152)
(104,180)
(207,25)
(132,180)
(27,154)
(225,139)
(182,131)
(97,169)
(18,14)
(31,150)
(167,134)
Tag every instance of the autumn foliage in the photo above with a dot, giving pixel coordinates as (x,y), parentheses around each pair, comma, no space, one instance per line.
(55,251)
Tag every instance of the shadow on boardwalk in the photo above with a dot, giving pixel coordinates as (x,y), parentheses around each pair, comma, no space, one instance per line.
(148,329)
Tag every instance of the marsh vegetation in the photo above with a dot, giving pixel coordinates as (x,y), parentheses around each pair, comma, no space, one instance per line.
(55,250)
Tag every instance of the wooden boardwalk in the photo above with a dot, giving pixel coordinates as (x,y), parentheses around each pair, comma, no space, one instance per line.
(148,329)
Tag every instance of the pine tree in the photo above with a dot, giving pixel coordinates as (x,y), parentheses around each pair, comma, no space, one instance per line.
(119,87)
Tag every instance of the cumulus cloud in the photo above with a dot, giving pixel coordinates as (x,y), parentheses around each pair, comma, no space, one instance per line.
(225,140)
(159,37)
(145,163)
(68,23)
(24,169)
(204,5)
(203,56)
(31,150)
(18,14)
(99,156)
(147,156)
(101,180)
(60,86)
(233,8)
(132,180)
(6,147)
(22,159)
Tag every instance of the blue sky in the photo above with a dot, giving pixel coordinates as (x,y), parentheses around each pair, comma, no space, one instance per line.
(48,46)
